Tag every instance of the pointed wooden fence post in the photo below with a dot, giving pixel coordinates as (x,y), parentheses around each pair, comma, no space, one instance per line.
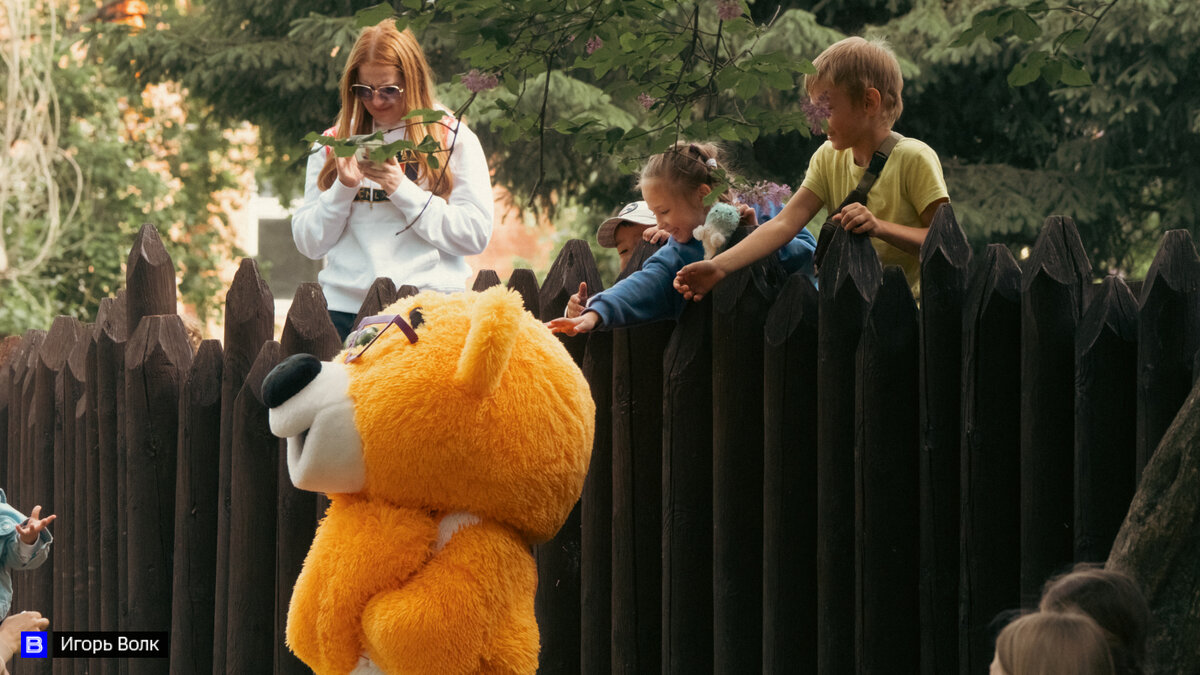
(596,516)
(249,322)
(66,401)
(250,627)
(790,480)
(149,278)
(196,477)
(485,279)
(524,281)
(687,498)
(945,262)
(91,521)
(557,603)
(381,294)
(1105,419)
(111,336)
(849,279)
(1053,289)
(740,306)
(157,360)
(27,487)
(47,588)
(74,378)
(1158,546)
(990,558)
(1168,337)
(637,465)
(307,330)
(887,476)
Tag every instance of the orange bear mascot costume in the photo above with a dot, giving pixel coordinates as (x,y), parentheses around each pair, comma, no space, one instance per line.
(449,437)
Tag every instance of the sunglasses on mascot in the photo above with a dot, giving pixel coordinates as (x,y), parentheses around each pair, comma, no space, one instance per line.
(388,92)
(369,330)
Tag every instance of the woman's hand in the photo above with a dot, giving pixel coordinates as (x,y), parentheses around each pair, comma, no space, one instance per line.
(348,172)
(388,174)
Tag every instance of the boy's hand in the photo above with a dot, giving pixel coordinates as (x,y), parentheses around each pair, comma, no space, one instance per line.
(29,530)
(694,281)
(857,218)
(747,216)
(654,235)
(577,302)
(576,326)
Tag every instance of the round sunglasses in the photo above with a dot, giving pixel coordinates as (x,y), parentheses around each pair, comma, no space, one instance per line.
(387,92)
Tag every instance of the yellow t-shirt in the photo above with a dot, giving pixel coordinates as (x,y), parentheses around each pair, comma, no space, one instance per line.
(911,180)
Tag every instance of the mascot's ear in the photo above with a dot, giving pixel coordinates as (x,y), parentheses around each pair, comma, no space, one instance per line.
(495,321)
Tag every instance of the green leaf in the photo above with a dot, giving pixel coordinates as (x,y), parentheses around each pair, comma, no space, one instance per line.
(1037,7)
(1023,73)
(434,163)
(414,5)
(426,115)
(371,16)
(343,150)
(1025,27)
(1075,76)
(805,66)
(1073,39)
(965,38)
(747,86)
(1052,72)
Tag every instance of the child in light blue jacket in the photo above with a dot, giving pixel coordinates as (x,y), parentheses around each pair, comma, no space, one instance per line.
(24,545)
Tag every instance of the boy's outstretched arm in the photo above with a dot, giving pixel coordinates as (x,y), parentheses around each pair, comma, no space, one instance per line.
(694,281)
(857,218)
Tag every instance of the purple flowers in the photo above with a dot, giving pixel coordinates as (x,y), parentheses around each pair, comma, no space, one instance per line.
(593,44)
(727,10)
(476,81)
(646,100)
(765,196)
(816,112)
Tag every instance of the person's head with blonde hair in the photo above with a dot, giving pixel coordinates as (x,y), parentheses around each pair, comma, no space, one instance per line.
(1052,643)
(1114,600)
(855,65)
(396,56)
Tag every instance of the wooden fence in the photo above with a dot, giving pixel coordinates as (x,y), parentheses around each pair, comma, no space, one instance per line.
(768,492)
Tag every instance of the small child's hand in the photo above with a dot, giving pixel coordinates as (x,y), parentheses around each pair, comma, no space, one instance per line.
(577,302)
(31,528)
(574,326)
(694,281)
(654,235)
(747,216)
(857,218)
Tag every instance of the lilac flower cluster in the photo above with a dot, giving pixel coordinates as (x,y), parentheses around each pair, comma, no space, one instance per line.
(727,10)
(476,81)
(646,100)
(763,194)
(593,44)
(816,112)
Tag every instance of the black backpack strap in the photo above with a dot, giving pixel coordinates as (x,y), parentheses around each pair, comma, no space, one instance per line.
(858,194)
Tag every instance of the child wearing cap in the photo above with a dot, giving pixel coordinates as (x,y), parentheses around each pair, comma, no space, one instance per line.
(622,232)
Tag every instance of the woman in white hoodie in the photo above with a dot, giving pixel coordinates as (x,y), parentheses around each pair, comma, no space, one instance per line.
(413,221)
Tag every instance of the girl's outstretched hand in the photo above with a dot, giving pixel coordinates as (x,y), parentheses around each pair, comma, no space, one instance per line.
(694,281)
(579,325)
(31,528)
(577,302)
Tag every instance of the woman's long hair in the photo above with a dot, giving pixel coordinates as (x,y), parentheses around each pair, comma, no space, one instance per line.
(384,44)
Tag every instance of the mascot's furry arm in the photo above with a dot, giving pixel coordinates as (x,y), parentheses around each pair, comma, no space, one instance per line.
(721,221)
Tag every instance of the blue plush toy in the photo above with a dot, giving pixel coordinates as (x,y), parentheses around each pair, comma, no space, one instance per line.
(722,220)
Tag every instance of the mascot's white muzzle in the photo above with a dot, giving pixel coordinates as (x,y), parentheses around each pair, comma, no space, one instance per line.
(311,407)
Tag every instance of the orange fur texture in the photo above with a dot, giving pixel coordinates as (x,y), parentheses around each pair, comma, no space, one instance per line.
(485,414)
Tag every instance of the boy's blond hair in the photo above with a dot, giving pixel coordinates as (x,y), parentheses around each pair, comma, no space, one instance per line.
(855,65)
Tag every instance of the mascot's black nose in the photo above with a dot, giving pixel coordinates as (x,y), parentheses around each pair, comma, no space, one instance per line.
(289,377)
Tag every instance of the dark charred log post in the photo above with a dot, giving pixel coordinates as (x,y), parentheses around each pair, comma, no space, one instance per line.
(596,516)
(1105,418)
(557,603)
(790,480)
(149,278)
(945,263)
(637,524)
(20,387)
(249,322)
(196,477)
(74,379)
(485,279)
(307,330)
(110,431)
(91,519)
(1053,288)
(1158,546)
(49,463)
(849,279)
(250,627)
(157,360)
(687,498)
(1168,337)
(66,391)
(524,281)
(886,470)
(990,537)
(28,488)
(740,306)
(381,294)
(9,347)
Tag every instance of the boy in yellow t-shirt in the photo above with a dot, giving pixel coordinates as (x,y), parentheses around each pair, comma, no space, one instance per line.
(860,82)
